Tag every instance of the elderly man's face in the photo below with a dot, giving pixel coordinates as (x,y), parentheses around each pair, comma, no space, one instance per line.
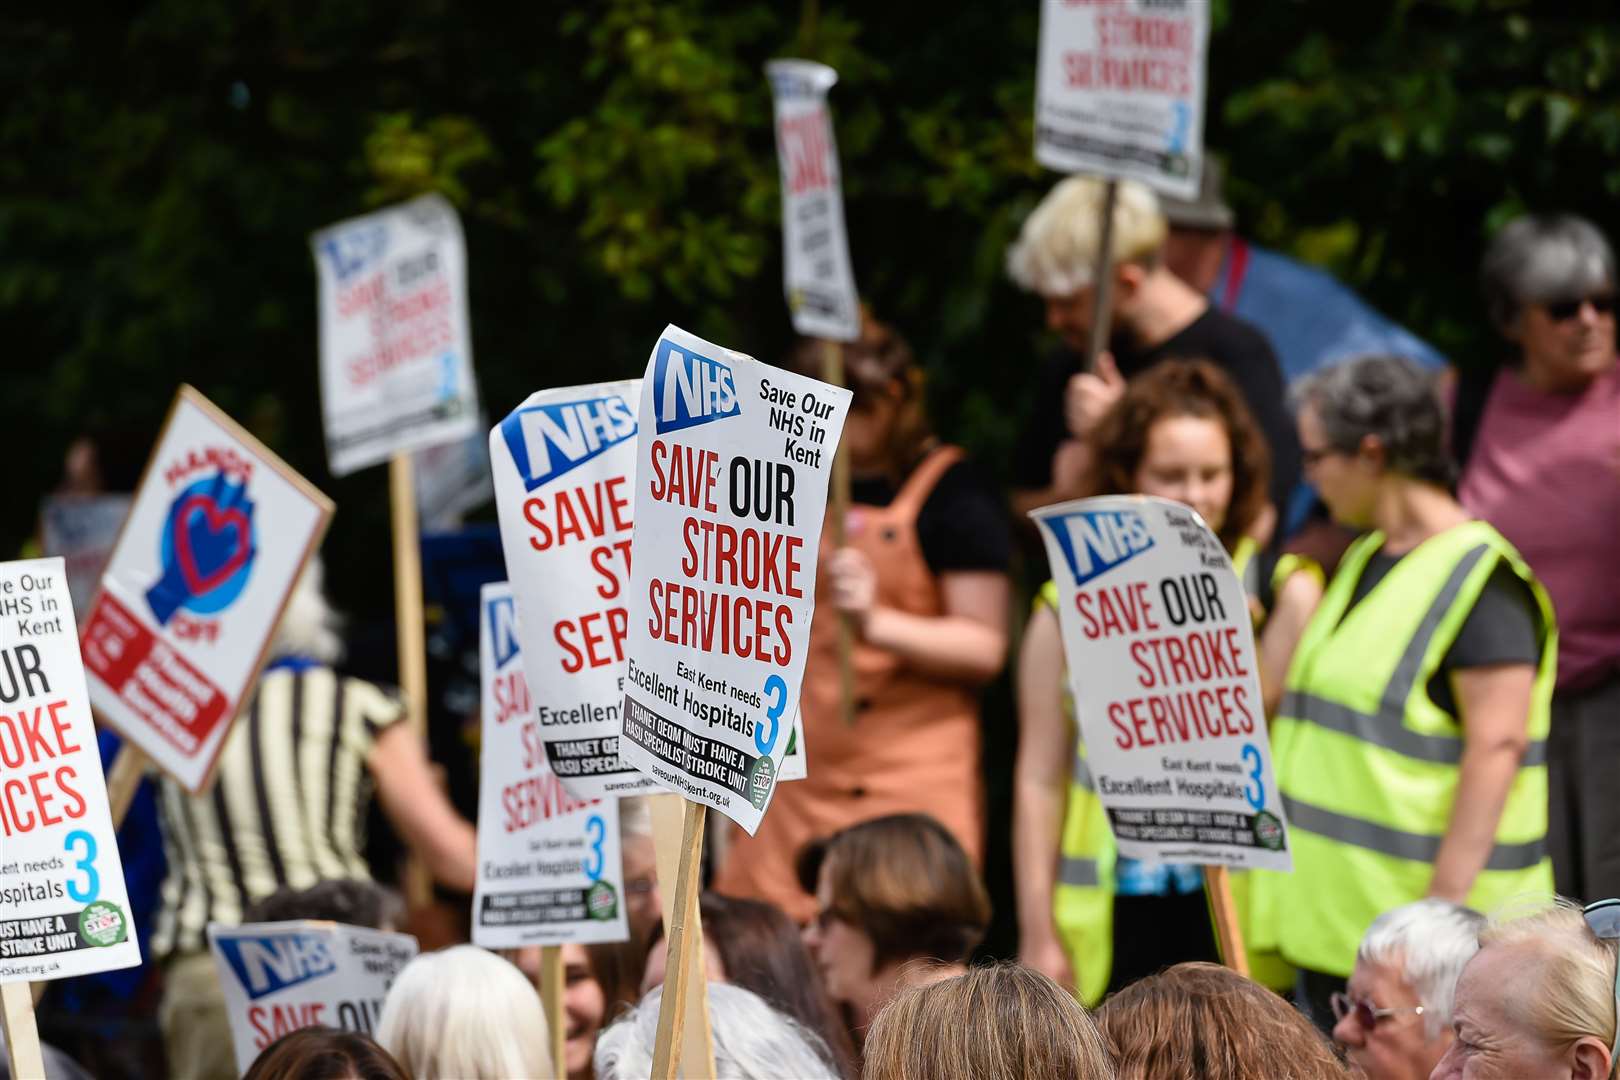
(1493,1042)
(1395,1047)
(1069,316)
(1569,342)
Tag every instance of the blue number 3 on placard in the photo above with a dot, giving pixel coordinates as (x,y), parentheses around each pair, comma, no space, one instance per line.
(595,832)
(92,886)
(765,740)
(1256,797)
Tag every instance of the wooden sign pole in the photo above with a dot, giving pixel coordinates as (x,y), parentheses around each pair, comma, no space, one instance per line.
(832,371)
(123,780)
(1102,280)
(687,1045)
(410,631)
(22,1034)
(551,997)
(1228,931)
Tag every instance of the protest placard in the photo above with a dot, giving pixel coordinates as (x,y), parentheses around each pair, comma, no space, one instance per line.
(283,976)
(816,272)
(395,340)
(549,867)
(1161,661)
(82,529)
(219,532)
(64,910)
(564,464)
(1120,90)
(732,461)
(452,479)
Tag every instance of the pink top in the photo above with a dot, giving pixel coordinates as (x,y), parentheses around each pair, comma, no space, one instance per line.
(1545,470)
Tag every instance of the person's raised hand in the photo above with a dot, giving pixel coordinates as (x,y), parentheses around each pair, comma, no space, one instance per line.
(1050,959)
(854,583)
(1091,394)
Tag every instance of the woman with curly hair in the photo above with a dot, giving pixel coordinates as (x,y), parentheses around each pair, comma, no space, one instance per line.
(1088,918)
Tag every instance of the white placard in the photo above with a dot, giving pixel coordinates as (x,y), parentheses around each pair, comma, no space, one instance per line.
(64,910)
(732,462)
(82,529)
(564,464)
(1162,664)
(396,342)
(452,480)
(549,865)
(218,534)
(816,273)
(284,976)
(1119,90)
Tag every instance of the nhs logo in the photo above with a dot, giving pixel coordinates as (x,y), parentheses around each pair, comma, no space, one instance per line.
(689,389)
(548,440)
(1096,541)
(267,963)
(352,250)
(502,614)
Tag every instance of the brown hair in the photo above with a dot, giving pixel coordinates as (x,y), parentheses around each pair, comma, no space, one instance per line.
(1185,388)
(323,1053)
(905,882)
(994,1023)
(763,951)
(1204,1020)
(876,365)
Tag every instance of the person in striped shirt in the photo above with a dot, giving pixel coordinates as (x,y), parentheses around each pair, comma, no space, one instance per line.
(288,809)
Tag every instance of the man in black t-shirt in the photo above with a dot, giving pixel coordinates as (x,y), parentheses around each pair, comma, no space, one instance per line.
(1155,316)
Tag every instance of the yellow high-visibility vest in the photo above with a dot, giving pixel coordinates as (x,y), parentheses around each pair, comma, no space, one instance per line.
(1367,764)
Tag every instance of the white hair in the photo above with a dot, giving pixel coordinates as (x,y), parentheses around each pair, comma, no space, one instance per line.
(464,1014)
(1056,250)
(1429,942)
(309,626)
(752,1041)
(635,817)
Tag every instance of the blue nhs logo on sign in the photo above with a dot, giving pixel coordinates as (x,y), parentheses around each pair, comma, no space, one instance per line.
(689,389)
(1095,541)
(502,614)
(548,440)
(267,963)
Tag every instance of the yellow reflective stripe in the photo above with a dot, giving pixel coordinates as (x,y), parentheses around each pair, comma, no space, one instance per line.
(1380,732)
(1418,847)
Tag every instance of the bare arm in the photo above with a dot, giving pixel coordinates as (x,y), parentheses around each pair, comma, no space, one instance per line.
(419,810)
(967,643)
(1040,793)
(1292,610)
(1494,701)
(1071,469)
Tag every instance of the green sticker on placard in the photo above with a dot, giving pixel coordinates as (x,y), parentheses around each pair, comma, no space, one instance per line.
(102,924)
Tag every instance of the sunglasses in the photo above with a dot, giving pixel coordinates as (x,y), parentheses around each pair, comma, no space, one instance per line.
(1603,919)
(1564,310)
(1367,1014)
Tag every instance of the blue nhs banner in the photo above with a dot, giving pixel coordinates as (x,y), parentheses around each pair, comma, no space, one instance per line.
(501,611)
(548,440)
(689,389)
(1095,541)
(268,963)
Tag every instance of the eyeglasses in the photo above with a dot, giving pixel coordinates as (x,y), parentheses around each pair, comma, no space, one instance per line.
(1603,919)
(1564,310)
(1367,1014)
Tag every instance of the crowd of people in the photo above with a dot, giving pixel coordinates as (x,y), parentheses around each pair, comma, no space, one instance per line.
(1437,618)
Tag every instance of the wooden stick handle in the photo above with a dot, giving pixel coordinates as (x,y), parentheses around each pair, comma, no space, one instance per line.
(410,632)
(22,1033)
(551,997)
(1228,930)
(685,936)
(832,371)
(1102,284)
(123,780)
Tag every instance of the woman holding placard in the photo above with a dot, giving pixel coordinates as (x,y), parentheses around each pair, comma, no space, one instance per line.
(1181,431)
(1410,746)
(922,578)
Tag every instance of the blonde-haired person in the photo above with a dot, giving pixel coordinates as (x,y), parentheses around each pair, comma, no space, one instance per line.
(1208,1021)
(1155,316)
(1003,1022)
(898,904)
(464,1014)
(1539,998)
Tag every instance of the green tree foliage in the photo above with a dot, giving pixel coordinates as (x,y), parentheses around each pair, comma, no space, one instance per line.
(614,165)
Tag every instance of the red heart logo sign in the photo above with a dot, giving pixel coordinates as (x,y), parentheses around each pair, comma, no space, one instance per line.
(216,521)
